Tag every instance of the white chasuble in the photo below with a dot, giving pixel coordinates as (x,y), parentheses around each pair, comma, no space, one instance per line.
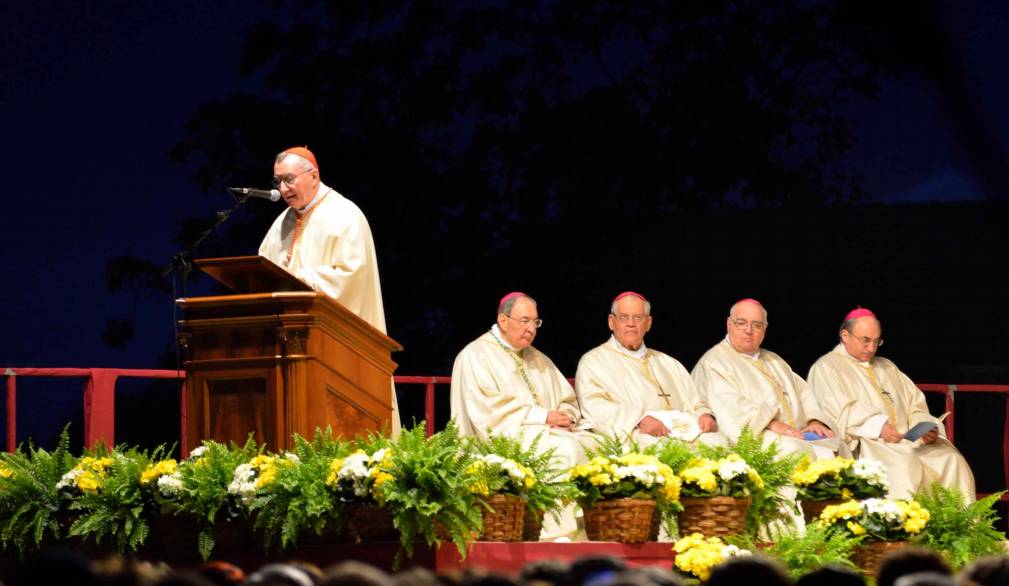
(332,251)
(496,389)
(617,390)
(860,397)
(743,393)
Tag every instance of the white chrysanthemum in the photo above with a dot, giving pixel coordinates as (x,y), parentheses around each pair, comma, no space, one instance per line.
(492,459)
(377,456)
(513,469)
(731,551)
(872,471)
(884,508)
(355,468)
(69,477)
(292,457)
(170,484)
(243,483)
(197,452)
(732,467)
(646,474)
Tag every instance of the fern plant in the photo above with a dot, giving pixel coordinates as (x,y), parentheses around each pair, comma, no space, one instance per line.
(769,506)
(292,496)
(548,494)
(110,497)
(30,502)
(961,532)
(803,552)
(428,489)
(199,488)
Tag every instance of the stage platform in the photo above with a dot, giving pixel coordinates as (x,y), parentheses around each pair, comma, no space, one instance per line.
(499,557)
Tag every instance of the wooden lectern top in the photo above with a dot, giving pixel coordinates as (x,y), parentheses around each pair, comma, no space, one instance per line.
(250,274)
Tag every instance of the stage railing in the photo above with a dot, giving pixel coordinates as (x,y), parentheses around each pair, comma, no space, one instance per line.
(99,397)
(950,392)
(100,387)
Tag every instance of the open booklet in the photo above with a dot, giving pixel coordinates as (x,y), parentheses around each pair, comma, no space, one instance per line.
(923,427)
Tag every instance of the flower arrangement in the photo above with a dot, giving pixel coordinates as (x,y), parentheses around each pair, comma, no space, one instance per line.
(633,475)
(840,478)
(727,476)
(492,474)
(358,478)
(697,554)
(877,519)
(258,473)
(197,488)
(291,495)
(106,489)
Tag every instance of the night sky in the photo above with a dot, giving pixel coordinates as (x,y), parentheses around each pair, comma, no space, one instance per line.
(95,94)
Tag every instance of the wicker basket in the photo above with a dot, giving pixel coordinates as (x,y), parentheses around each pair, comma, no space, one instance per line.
(370,524)
(868,555)
(504,520)
(623,520)
(532,525)
(811,509)
(713,516)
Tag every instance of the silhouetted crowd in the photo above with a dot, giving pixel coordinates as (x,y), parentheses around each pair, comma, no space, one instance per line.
(906,567)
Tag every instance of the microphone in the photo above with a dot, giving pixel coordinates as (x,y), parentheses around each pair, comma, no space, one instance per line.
(270,194)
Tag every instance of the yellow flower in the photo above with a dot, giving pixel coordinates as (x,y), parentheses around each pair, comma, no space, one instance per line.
(333,477)
(601,479)
(855,528)
(5,471)
(87,482)
(154,471)
(846,494)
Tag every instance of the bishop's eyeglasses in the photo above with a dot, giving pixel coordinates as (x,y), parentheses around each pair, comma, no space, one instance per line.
(740,324)
(525,322)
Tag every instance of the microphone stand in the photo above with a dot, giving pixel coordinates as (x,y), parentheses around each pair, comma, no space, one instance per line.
(180,263)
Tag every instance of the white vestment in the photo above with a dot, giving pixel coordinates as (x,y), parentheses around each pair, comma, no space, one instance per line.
(741,394)
(334,254)
(845,389)
(617,389)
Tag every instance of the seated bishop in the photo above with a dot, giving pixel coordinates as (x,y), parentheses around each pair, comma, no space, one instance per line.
(876,406)
(638,393)
(749,386)
(501,384)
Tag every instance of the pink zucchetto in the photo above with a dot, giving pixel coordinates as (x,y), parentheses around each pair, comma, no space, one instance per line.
(511,295)
(629,294)
(857,313)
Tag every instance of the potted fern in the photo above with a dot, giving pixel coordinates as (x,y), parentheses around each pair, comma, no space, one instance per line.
(30,502)
(298,503)
(106,490)
(427,492)
(195,501)
(960,531)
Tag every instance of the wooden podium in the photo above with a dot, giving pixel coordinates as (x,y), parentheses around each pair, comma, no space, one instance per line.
(278,359)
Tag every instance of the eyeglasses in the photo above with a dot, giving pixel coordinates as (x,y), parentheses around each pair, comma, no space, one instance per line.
(525,322)
(626,317)
(289,179)
(866,341)
(740,323)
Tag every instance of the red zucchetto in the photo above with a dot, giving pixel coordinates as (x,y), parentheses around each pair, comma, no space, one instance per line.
(304,153)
